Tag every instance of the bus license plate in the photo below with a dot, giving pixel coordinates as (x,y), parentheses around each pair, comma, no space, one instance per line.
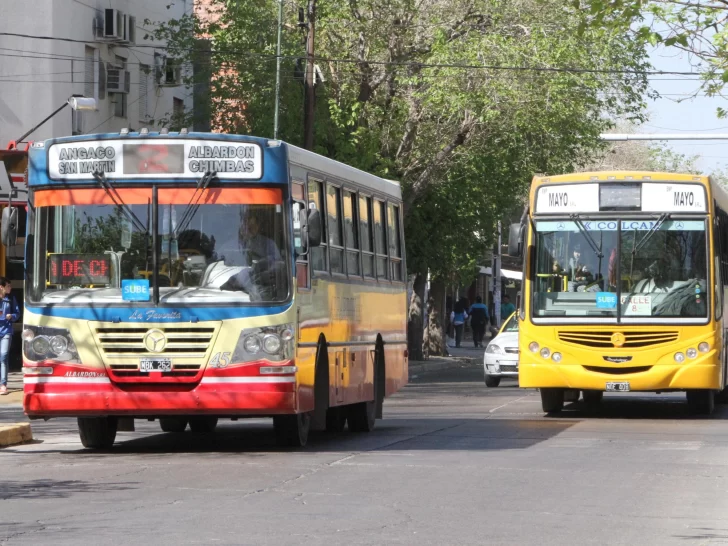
(622,386)
(155,365)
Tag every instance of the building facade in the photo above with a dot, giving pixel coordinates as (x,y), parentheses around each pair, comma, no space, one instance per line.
(95,48)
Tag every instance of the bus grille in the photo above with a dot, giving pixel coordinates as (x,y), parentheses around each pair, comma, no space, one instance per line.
(181,342)
(632,339)
(617,371)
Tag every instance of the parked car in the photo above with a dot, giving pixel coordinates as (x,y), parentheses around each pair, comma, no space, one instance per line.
(501,354)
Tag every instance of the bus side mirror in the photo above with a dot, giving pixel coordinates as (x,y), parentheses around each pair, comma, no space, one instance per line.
(314,228)
(9,226)
(515,241)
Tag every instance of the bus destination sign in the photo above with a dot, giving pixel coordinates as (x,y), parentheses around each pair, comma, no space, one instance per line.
(79,269)
(154,158)
(646,197)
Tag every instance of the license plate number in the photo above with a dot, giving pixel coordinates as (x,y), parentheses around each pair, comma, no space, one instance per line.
(155,365)
(622,386)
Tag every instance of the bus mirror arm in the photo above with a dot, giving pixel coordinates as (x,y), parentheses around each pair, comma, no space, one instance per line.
(9,226)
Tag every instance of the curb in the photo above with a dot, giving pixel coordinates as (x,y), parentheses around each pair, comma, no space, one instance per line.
(15,433)
(440,364)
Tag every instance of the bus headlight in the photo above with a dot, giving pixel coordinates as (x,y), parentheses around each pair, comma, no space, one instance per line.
(704,347)
(274,343)
(41,343)
(533,347)
(556,357)
(545,352)
(692,353)
(679,357)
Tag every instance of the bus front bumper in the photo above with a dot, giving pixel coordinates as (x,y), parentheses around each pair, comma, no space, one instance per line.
(660,377)
(47,399)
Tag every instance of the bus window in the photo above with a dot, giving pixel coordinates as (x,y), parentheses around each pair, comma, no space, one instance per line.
(380,237)
(395,242)
(367,244)
(315,201)
(351,228)
(336,242)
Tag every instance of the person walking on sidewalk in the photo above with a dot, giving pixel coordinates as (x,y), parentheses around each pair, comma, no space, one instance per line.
(458,317)
(10,314)
(478,319)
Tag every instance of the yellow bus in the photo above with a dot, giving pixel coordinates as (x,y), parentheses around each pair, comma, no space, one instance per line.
(623,286)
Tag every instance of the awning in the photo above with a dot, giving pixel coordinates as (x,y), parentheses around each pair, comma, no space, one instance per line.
(507,273)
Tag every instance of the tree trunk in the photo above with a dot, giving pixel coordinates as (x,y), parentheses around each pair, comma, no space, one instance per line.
(415,325)
(436,342)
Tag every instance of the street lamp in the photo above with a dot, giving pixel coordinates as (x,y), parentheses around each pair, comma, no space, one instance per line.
(76,102)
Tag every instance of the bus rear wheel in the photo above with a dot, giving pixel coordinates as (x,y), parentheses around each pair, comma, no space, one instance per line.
(701,401)
(292,430)
(202,423)
(97,432)
(552,400)
(172,424)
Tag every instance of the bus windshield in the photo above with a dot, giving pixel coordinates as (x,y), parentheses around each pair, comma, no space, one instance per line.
(228,246)
(657,268)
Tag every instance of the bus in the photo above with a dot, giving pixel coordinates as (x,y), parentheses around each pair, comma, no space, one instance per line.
(624,281)
(188,277)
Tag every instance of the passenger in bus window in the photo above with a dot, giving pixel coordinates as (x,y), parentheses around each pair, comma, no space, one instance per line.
(579,273)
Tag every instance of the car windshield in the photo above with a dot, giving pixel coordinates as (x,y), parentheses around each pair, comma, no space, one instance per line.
(511,324)
(660,268)
(230,248)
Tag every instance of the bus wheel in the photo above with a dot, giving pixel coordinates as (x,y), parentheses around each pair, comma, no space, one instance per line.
(203,423)
(593,398)
(552,400)
(492,381)
(335,420)
(721,397)
(97,432)
(172,424)
(701,401)
(292,430)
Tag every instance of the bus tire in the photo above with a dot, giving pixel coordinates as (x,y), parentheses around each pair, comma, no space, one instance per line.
(592,398)
(172,424)
(492,380)
(292,430)
(721,397)
(552,400)
(203,423)
(97,432)
(701,401)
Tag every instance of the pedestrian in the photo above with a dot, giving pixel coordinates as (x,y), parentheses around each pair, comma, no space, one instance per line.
(458,317)
(478,319)
(10,314)
(507,308)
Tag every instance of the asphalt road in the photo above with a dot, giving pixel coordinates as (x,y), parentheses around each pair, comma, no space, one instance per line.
(453,463)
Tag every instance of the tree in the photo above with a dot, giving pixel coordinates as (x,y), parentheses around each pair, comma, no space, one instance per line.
(696,27)
(460,100)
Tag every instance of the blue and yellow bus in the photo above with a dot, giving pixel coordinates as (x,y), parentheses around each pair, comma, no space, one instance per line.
(188,277)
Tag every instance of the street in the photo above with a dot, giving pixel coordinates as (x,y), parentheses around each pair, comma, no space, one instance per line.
(452,463)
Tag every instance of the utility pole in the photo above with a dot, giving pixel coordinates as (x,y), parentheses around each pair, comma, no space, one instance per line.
(497,284)
(278,70)
(310,95)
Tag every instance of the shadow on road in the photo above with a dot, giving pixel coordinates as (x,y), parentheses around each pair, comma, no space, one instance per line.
(55,489)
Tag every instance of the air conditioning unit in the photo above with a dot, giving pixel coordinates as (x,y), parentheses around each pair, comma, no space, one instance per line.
(115,25)
(167,72)
(117,80)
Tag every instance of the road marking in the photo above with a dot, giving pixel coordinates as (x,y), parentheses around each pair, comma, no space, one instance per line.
(511,402)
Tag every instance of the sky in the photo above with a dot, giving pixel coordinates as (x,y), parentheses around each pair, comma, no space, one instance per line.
(670,115)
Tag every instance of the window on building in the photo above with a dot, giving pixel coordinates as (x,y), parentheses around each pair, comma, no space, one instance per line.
(89,73)
(178,114)
(395,242)
(120,100)
(367,243)
(315,200)
(336,240)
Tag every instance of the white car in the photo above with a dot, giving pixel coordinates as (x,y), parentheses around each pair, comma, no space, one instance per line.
(501,354)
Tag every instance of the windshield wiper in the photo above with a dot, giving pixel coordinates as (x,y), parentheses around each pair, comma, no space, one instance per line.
(116,198)
(592,243)
(193,205)
(661,220)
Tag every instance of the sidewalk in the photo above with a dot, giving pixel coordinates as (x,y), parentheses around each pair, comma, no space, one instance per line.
(15,389)
(461,357)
